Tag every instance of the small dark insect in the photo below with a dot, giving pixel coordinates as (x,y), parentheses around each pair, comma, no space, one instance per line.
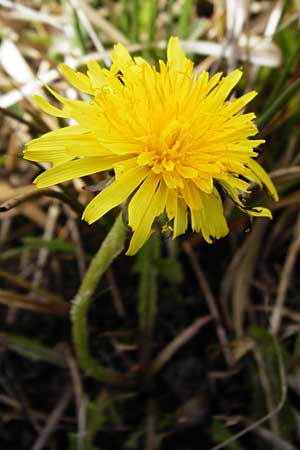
(119,75)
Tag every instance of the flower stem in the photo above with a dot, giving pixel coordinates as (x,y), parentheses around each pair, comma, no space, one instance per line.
(110,248)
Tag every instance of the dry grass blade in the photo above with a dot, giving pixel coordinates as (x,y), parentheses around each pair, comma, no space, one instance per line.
(285,278)
(17,281)
(259,52)
(118,302)
(285,174)
(236,13)
(274,19)
(24,302)
(272,439)
(151,443)
(188,333)
(289,314)
(90,31)
(14,63)
(29,14)
(237,281)
(30,88)
(275,411)
(75,235)
(108,28)
(31,192)
(196,344)
(51,222)
(9,194)
(236,16)
(53,419)
(288,200)
(211,303)
(265,383)
(79,397)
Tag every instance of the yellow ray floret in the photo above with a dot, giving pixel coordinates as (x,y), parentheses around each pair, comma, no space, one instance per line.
(168,135)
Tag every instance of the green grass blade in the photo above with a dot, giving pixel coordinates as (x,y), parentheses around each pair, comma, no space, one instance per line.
(282,100)
(185,18)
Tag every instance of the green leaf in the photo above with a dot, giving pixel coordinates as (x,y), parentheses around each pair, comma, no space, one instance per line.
(55,245)
(32,349)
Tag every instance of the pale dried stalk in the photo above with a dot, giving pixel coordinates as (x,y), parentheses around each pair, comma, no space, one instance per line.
(285,278)
(53,214)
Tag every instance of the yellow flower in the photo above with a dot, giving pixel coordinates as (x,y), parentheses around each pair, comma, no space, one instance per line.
(168,134)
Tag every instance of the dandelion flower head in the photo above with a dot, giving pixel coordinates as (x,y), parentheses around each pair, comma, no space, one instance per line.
(172,138)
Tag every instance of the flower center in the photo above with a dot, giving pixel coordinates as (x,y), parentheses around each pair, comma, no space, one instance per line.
(160,157)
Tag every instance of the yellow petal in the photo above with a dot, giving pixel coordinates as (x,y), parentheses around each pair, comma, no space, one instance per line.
(210,218)
(175,54)
(212,82)
(232,182)
(258,211)
(142,198)
(114,194)
(124,166)
(187,172)
(96,75)
(120,147)
(180,220)
(45,106)
(205,184)
(143,231)
(227,84)
(169,179)
(140,61)
(55,155)
(237,104)
(191,195)
(77,79)
(120,56)
(171,205)
(60,98)
(74,169)
(63,144)
(264,177)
